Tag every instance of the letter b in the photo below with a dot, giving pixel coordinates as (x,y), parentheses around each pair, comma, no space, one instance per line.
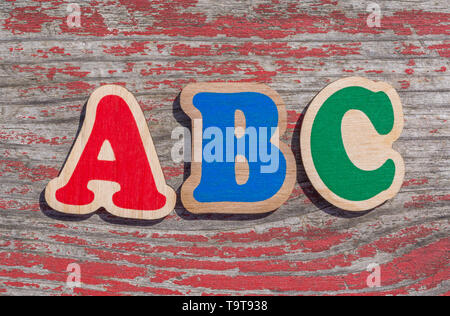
(243,168)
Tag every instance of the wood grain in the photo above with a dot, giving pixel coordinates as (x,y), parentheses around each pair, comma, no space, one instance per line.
(154,49)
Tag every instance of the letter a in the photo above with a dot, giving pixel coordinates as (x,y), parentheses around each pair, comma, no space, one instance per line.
(113,163)
(251,171)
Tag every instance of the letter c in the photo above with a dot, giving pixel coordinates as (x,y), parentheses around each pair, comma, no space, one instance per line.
(346,143)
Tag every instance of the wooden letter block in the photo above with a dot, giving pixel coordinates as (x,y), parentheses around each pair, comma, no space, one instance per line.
(239,164)
(346,143)
(113,163)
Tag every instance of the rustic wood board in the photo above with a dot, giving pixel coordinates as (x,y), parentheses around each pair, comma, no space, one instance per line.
(154,48)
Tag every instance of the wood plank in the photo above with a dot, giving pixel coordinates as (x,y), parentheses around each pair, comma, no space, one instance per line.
(154,49)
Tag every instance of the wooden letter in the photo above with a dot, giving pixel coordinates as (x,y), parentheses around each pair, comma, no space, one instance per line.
(113,163)
(239,164)
(346,143)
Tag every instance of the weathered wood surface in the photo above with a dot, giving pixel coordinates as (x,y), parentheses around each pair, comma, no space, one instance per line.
(154,48)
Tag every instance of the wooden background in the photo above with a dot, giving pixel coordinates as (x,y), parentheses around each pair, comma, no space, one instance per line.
(154,48)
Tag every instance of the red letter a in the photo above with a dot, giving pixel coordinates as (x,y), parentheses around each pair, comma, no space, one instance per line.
(113,163)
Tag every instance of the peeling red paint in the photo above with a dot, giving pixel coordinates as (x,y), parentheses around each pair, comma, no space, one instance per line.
(411,182)
(70,240)
(442,69)
(32,138)
(170,172)
(442,49)
(134,48)
(399,268)
(38,173)
(405,84)
(93,272)
(420,201)
(276,50)
(162,276)
(93,24)
(411,49)
(27,20)
(49,73)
